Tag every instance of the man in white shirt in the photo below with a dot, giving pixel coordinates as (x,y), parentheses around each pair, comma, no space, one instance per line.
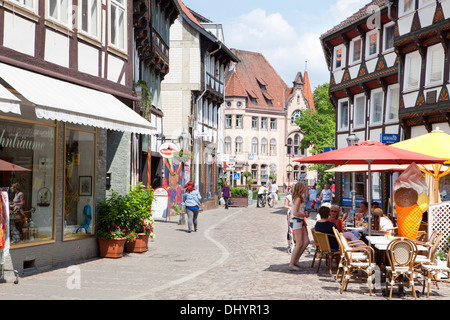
(274,192)
(262,190)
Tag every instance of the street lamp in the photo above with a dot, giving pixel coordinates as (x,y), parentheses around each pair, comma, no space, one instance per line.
(352,139)
(183,141)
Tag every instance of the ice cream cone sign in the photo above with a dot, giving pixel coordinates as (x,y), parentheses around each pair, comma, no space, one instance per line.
(411,201)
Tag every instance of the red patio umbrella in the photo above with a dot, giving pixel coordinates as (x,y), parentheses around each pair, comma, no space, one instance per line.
(369,153)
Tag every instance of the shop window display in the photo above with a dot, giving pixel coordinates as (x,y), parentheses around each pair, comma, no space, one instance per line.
(79,182)
(27,172)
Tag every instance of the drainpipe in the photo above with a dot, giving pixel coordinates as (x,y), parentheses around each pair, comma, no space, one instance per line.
(197,164)
(391,3)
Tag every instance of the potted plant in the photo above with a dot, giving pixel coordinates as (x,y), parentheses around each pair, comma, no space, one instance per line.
(239,197)
(139,218)
(441,261)
(111,231)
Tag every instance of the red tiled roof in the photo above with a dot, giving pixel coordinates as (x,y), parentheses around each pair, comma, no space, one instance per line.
(189,14)
(307,91)
(233,87)
(249,75)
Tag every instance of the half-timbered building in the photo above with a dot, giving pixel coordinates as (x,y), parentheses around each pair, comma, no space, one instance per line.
(193,94)
(364,87)
(67,118)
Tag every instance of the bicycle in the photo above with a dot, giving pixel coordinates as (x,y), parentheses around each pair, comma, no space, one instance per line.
(262,200)
(270,200)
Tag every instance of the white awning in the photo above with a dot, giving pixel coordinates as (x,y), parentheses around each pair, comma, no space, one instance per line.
(8,101)
(63,101)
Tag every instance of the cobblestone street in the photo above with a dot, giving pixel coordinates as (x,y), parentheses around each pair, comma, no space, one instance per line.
(237,254)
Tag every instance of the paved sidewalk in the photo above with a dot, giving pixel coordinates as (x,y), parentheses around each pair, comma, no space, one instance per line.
(237,254)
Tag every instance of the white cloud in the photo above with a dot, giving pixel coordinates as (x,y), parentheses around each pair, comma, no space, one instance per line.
(345,8)
(280,43)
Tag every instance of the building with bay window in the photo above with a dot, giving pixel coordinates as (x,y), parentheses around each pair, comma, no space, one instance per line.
(66,121)
(260,130)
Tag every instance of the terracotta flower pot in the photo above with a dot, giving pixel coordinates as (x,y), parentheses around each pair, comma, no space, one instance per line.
(138,246)
(112,248)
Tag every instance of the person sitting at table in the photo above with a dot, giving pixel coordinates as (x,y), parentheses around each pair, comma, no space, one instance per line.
(334,216)
(360,215)
(325,226)
(385,224)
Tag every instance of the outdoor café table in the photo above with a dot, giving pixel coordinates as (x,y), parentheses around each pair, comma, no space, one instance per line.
(381,243)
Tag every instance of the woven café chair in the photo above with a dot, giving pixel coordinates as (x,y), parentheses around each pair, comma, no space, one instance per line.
(431,272)
(358,262)
(401,254)
(325,249)
(316,244)
(432,245)
(356,255)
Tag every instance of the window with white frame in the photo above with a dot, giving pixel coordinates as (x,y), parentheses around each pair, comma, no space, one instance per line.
(89,17)
(388,36)
(356,50)
(435,64)
(273,147)
(406,6)
(264,123)
(295,115)
(29,4)
(117,24)
(255,123)
(359,111)
(376,111)
(239,121)
(413,63)
(59,11)
(228,145)
(228,118)
(339,57)
(273,124)
(239,143)
(423,3)
(255,146)
(372,43)
(264,146)
(393,102)
(343,114)
(296,145)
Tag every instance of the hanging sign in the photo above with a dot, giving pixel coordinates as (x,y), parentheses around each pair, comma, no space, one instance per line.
(160,204)
(166,150)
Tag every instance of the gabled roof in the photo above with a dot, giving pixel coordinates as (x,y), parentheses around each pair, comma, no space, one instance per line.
(307,91)
(233,87)
(254,77)
(361,14)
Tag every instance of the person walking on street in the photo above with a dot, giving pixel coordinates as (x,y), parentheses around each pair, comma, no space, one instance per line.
(226,193)
(274,192)
(326,195)
(191,200)
(298,225)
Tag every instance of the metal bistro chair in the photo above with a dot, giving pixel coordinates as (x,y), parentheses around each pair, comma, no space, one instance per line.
(401,254)
(325,249)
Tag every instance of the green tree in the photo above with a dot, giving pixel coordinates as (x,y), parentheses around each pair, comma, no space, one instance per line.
(318,129)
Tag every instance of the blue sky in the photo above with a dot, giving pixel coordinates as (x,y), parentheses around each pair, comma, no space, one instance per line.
(286,32)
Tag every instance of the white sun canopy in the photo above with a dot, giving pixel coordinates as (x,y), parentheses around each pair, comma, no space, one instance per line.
(63,101)
(8,101)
